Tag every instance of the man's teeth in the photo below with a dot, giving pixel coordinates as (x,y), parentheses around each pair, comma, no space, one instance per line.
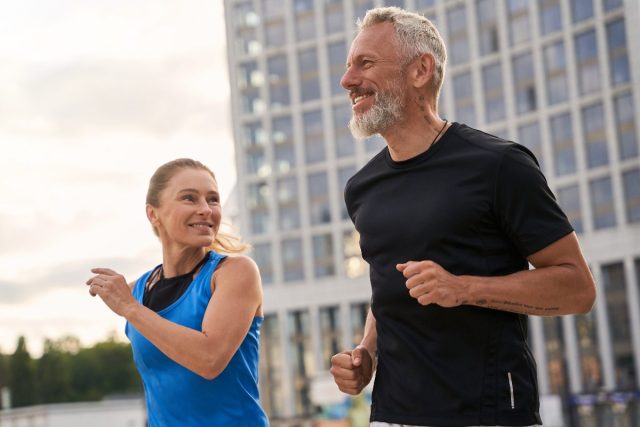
(360,98)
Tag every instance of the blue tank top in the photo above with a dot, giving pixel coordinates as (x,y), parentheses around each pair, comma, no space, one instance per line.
(176,396)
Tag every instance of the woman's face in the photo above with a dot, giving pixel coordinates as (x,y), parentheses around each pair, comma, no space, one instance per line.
(189,213)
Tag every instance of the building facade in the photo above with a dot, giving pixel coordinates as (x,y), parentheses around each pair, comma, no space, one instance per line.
(559,76)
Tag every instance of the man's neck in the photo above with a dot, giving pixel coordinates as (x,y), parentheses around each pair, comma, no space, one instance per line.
(414,135)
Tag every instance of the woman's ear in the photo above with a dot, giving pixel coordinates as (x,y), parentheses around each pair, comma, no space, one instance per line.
(152,215)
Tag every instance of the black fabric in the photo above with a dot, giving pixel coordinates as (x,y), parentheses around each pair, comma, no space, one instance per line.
(167,291)
(477,205)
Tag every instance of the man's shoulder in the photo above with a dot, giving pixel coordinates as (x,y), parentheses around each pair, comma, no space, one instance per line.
(491,145)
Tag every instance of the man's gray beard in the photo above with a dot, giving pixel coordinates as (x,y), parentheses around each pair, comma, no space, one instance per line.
(386,110)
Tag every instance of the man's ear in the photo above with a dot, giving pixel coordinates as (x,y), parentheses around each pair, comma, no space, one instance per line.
(423,69)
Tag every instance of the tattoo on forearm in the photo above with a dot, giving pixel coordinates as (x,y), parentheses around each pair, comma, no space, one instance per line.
(528,309)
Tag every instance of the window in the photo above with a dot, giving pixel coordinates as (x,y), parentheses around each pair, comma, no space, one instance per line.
(581,10)
(256,164)
(631,184)
(292,260)
(458,46)
(333,16)
(569,200)
(525,85)
(261,254)
(323,265)
(275,33)
(556,360)
(487,26)
(344,142)
(562,143)
(272,8)
(302,360)
(493,92)
(529,136)
(249,81)
(254,135)
(556,73)
(246,41)
(587,62)
(374,144)
(518,19)
(420,4)
(611,4)
(319,206)
(271,367)
(360,7)
(358,319)
(274,23)
(590,364)
(618,59)
(308,65)
(304,19)
(244,15)
(278,81)
(284,148)
(625,126)
(313,137)
(337,59)
(288,203)
(550,16)
(615,287)
(604,214)
(354,265)
(595,136)
(257,201)
(330,333)
(463,99)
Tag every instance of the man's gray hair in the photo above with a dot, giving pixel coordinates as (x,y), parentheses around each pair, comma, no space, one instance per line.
(415,36)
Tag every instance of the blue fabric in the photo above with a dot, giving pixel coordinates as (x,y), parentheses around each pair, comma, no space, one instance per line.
(176,396)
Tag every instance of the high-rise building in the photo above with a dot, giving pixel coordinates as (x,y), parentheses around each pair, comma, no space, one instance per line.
(559,76)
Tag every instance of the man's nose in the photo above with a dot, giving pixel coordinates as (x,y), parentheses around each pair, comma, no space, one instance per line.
(350,79)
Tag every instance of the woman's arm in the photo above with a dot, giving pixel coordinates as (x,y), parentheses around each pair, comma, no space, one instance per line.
(235,302)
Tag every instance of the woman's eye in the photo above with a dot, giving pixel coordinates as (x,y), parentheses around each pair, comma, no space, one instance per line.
(214,200)
(188,197)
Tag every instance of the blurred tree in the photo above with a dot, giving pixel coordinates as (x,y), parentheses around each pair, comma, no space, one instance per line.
(66,372)
(21,376)
(106,368)
(53,373)
(4,371)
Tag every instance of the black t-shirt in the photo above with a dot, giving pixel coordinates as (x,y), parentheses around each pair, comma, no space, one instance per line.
(476,205)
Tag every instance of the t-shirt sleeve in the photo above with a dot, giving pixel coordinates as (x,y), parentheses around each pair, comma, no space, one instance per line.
(524,205)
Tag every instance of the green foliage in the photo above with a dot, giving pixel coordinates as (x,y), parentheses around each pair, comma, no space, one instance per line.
(21,375)
(66,372)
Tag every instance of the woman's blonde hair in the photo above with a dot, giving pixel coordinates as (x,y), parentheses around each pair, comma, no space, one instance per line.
(224,241)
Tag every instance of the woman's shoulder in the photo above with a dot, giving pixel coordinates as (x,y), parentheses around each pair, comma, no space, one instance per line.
(237,268)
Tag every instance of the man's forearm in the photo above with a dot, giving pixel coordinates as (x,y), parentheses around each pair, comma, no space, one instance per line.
(370,336)
(548,291)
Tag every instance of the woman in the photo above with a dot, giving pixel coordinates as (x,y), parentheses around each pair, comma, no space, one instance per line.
(194,320)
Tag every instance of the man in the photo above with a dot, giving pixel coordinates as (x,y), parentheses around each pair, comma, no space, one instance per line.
(449,219)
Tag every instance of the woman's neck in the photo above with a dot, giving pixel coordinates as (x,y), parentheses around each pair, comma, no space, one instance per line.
(179,261)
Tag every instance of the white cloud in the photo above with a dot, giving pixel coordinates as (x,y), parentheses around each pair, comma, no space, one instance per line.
(96,96)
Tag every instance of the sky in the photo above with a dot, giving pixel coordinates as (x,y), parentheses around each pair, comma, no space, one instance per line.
(94,96)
